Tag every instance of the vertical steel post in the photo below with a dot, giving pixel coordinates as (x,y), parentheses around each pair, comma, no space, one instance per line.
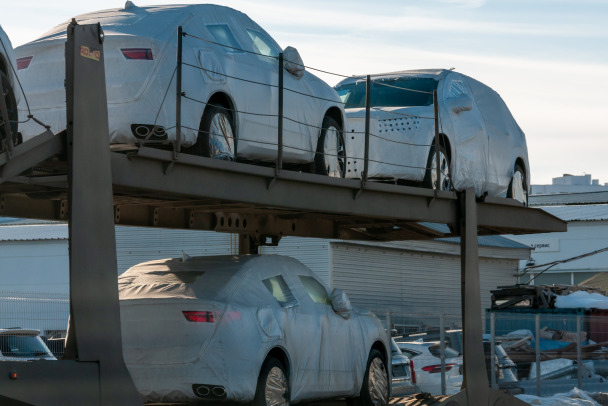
(493,350)
(579,355)
(475,378)
(279,164)
(442,352)
(178,94)
(368,98)
(437,155)
(537,337)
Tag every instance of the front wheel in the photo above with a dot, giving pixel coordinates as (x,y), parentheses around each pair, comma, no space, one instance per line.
(444,182)
(215,135)
(518,188)
(330,159)
(273,385)
(375,390)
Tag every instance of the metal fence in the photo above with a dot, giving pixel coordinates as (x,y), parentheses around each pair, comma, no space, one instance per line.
(47,312)
(566,348)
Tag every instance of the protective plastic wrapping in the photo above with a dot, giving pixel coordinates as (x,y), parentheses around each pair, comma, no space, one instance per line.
(246,307)
(484,141)
(140,60)
(8,56)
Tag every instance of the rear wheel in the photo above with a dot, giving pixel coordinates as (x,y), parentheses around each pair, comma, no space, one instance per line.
(430,178)
(374,391)
(215,135)
(273,385)
(518,188)
(11,109)
(330,159)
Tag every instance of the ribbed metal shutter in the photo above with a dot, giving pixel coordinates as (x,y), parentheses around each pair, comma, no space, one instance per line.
(419,284)
(312,252)
(140,244)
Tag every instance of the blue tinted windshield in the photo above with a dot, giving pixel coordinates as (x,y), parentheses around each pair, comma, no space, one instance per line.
(401,92)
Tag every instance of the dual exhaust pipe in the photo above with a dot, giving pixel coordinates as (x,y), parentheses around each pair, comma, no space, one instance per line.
(209,391)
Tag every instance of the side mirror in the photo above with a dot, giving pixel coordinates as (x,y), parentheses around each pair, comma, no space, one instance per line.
(460,103)
(293,62)
(340,303)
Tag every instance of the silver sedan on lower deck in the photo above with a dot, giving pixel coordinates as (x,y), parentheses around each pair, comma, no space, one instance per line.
(248,328)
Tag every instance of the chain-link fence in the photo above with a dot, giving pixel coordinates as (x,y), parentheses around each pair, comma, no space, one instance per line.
(43,311)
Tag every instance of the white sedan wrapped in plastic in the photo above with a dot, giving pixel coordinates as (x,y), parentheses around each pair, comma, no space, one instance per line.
(230,77)
(247,328)
(480,144)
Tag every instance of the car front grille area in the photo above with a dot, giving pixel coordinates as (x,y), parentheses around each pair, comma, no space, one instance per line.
(209,391)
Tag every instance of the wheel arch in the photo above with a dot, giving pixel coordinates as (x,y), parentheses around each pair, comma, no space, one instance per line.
(220,98)
(445,141)
(335,113)
(280,354)
(379,345)
(4,65)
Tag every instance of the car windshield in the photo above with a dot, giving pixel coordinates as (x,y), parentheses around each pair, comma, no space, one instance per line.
(21,347)
(449,352)
(401,92)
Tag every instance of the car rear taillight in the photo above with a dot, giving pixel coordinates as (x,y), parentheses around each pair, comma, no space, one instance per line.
(199,316)
(23,63)
(413,373)
(137,53)
(433,369)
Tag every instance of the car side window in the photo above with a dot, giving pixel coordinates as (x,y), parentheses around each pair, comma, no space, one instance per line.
(315,290)
(409,353)
(262,43)
(223,35)
(456,89)
(277,286)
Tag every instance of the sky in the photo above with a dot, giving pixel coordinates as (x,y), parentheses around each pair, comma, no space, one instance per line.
(548,59)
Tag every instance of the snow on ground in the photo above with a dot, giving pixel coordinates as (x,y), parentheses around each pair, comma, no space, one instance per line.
(575,397)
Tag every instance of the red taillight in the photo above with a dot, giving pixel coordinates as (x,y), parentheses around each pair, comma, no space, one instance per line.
(413,372)
(199,317)
(23,63)
(434,369)
(137,53)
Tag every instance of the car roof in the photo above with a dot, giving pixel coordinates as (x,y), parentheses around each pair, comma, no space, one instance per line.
(146,20)
(208,277)
(436,74)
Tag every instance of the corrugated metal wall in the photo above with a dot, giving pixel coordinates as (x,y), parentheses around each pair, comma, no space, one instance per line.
(140,244)
(408,282)
(312,252)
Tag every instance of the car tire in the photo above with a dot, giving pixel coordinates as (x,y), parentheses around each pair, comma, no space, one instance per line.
(273,385)
(330,158)
(445,181)
(374,390)
(216,136)
(518,187)
(11,107)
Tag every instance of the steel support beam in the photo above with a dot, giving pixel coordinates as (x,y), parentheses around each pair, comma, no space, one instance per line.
(476,390)
(93,371)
